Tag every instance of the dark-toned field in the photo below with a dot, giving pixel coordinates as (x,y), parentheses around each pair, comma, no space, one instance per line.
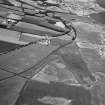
(4,46)
(36,90)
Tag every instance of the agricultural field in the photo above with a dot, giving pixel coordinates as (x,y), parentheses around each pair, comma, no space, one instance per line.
(37,67)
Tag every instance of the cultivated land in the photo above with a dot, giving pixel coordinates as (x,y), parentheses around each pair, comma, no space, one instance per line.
(65,77)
